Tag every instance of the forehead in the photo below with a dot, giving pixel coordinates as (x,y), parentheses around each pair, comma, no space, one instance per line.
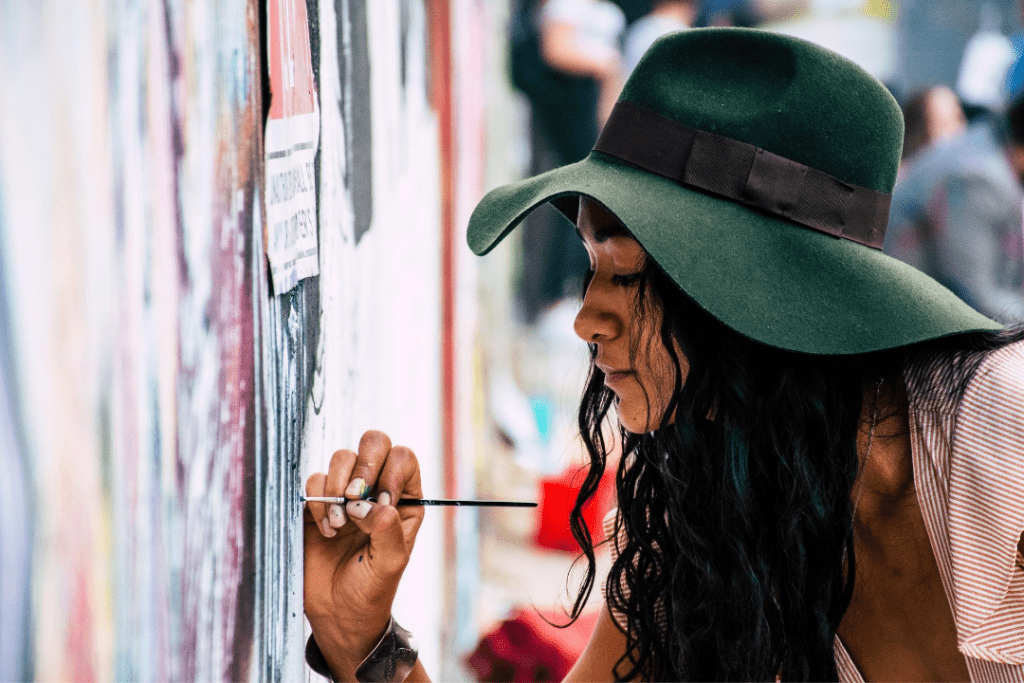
(596,223)
(606,238)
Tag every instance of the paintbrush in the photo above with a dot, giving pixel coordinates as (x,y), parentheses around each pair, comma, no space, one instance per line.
(428,501)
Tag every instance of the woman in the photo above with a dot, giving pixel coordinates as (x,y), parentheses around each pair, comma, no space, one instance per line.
(824,449)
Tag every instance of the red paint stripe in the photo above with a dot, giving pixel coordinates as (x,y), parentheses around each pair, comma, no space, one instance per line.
(441,70)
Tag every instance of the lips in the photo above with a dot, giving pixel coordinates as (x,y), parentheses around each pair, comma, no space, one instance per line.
(612,375)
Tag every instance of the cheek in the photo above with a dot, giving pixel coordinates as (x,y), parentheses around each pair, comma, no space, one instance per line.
(661,378)
(642,408)
(660,374)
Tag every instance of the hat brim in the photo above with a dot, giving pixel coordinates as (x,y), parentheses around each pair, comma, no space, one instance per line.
(768,279)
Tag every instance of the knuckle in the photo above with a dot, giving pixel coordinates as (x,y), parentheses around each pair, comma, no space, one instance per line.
(402,467)
(365,469)
(374,439)
(342,458)
(402,454)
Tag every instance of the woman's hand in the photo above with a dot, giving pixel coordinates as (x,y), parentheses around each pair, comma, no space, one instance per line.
(355,555)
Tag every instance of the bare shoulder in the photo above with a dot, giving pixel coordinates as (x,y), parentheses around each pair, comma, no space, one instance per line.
(606,646)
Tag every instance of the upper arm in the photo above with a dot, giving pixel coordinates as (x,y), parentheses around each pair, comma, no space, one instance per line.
(606,646)
(557,39)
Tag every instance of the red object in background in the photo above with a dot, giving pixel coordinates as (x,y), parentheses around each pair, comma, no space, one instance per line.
(526,648)
(557,498)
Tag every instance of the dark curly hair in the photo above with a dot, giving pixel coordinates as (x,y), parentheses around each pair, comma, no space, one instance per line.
(738,562)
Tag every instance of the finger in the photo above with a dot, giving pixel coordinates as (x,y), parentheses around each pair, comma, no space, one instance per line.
(399,477)
(373,451)
(315,489)
(387,550)
(338,475)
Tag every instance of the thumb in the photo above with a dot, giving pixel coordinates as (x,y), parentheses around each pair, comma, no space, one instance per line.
(388,551)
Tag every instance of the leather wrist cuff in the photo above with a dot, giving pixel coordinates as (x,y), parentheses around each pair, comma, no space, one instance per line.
(391,661)
(316,661)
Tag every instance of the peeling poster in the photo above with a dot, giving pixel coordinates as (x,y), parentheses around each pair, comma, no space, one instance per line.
(292,136)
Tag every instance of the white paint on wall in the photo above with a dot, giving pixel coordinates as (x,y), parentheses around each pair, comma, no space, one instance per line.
(378,363)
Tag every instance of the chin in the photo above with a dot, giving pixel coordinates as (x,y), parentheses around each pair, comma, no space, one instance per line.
(633,424)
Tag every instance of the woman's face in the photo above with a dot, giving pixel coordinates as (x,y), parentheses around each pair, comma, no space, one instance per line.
(643,382)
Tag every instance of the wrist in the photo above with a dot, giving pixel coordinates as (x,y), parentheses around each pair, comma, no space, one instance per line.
(392,659)
(345,646)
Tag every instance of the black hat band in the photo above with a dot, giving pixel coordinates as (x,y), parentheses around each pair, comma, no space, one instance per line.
(745,174)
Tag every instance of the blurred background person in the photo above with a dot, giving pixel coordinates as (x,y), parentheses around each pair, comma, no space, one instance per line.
(956,212)
(581,38)
(986,58)
(567,61)
(931,37)
(634,9)
(930,116)
(665,17)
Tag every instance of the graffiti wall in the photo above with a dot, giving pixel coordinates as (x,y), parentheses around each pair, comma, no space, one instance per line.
(169,371)
(130,138)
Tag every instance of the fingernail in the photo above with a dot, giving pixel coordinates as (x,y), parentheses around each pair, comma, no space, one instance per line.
(359,508)
(384,498)
(357,488)
(325,526)
(337,515)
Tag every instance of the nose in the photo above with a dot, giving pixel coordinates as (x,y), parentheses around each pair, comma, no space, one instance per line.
(597,320)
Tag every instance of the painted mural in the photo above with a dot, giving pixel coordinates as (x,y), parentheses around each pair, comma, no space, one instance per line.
(162,395)
(130,140)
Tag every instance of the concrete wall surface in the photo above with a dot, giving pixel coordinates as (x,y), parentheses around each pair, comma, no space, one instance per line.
(162,397)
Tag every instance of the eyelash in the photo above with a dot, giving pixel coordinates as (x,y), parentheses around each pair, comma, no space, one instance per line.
(626,280)
(617,280)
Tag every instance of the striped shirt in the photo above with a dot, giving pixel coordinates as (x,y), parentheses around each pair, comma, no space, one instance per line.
(968,459)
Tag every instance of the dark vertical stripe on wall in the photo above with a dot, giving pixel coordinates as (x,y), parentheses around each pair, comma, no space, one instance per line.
(313,17)
(357,109)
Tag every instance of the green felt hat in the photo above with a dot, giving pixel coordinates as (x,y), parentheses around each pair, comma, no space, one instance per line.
(756,169)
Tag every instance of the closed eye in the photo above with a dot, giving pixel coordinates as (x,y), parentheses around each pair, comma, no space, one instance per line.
(626,280)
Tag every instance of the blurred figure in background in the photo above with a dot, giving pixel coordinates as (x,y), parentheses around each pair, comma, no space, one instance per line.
(665,17)
(931,36)
(986,59)
(931,115)
(581,38)
(634,9)
(956,212)
(566,59)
